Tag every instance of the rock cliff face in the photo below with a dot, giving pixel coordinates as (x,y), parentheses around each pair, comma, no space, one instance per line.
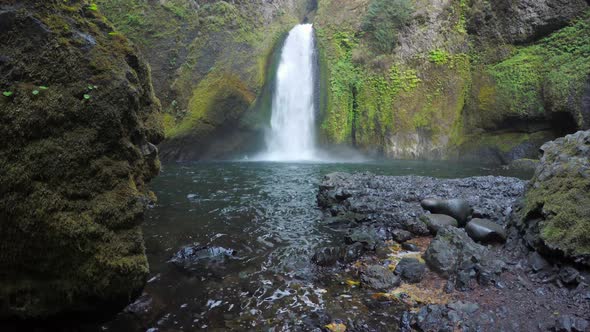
(488,80)
(212,63)
(555,218)
(78,123)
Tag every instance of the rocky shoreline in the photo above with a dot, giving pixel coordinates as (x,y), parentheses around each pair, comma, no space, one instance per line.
(395,246)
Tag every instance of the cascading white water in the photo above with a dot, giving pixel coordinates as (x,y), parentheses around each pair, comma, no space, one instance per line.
(292,132)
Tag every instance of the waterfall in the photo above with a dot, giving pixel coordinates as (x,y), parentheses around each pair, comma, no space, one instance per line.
(292,128)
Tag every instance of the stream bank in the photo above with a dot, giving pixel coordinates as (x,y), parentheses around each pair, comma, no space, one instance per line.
(447,278)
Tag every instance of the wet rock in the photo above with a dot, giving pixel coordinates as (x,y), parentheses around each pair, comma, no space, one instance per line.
(456,208)
(569,276)
(400,235)
(435,221)
(353,252)
(454,254)
(410,247)
(567,323)
(485,231)
(343,222)
(410,270)
(369,237)
(379,278)
(538,263)
(192,255)
(327,256)
(145,308)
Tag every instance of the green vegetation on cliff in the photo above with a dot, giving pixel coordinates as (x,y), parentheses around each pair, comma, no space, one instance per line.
(210,62)
(548,76)
(379,98)
(428,88)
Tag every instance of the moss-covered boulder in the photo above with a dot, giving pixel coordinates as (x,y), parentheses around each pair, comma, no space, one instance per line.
(78,124)
(556,215)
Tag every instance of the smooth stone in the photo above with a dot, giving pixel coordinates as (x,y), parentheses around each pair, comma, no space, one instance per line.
(410,247)
(435,221)
(486,231)
(379,278)
(456,208)
(410,270)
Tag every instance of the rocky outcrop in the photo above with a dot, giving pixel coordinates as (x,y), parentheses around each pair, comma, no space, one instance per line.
(79,122)
(455,84)
(522,21)
(555,217)
(454,254)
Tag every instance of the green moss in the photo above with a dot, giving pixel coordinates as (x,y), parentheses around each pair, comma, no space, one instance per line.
(566,201)
(440,57)
(73,171)
(546,76)
(217,98)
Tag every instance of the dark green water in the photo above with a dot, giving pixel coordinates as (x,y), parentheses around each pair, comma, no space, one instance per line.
(268,213)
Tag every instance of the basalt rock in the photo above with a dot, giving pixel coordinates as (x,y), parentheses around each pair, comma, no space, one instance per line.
(453,254)
(379,278)
(436,221)
(485,231)
(410,270)
(78,124)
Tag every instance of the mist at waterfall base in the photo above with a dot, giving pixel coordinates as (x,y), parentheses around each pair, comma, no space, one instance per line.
(291,136)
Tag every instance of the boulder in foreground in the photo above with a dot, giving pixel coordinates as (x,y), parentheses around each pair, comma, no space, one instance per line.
(555,219)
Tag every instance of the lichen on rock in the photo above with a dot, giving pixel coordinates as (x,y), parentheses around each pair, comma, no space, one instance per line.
(79,130)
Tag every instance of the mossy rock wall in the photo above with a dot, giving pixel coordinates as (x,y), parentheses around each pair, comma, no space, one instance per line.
(211,61)
(78,123)
(457,84)
(555,218)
